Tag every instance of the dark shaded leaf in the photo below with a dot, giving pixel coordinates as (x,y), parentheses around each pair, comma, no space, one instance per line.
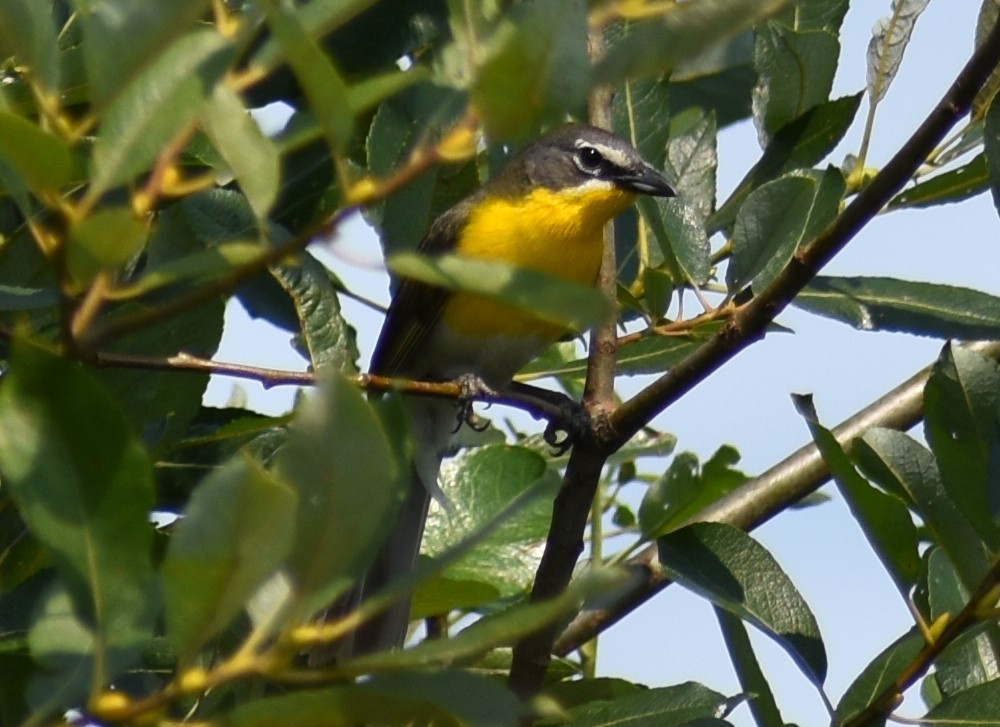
(85,493)
(236,529)
(661,707)
(979,705)
(878,675)
(888,304)
(760,698)
(883,516)
(955,185)
(736,573)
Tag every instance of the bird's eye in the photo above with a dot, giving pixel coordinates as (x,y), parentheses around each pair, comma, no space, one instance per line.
(589,158)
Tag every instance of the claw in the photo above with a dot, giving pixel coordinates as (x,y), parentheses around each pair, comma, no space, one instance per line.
(573,421)
(471,386)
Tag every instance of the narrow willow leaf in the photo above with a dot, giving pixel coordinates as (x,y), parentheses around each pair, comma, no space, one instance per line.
(252,157)
(14,297)
(28,34)
(679,230)
(323,85)
(41,161)
(83,485)
(439,698)
(328,338)
(978,705)
(795,70)
(650,354)
(687,703)
(546,297)
(883,517)
(888,304)
(122,38)
(769,227)
(156,105)
(900,464)
(972,658)
(538,67)
(237,528)
(954,185)
(480,483)
(797,145)
(878,675)
(991,149)
(961,400)
(191,269)
(736,573)
(653,47)
(890,36)
(343,509)
(105,240)
(760,698)
(64,647)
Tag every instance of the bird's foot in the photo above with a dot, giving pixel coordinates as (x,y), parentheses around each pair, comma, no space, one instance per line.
(573,422)
(471,386)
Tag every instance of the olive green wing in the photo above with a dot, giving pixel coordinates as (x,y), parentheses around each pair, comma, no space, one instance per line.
(416,307)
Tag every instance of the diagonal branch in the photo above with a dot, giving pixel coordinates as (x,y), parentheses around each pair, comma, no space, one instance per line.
(749,322)
(569,518)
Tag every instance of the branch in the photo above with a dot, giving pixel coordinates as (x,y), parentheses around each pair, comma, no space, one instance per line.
(750,322)
(800,474)
(569,517)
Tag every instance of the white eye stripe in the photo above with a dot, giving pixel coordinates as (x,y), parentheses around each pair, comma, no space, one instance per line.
(613,155)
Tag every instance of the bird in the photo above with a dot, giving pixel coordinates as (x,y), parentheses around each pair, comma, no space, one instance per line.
(544,211)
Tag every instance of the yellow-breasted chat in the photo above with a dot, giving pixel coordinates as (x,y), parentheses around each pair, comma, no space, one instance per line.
(545,211)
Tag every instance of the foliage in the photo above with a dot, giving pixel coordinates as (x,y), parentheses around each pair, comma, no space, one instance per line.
(163,560)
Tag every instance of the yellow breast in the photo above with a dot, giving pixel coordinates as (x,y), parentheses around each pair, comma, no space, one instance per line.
(559,233)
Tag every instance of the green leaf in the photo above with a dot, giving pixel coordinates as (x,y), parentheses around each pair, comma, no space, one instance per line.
(537,69)
(28,33)
(978,705)
(105,240)
(251,156)
(769,227)
(122,38)
(654,47)
(890,36)
(480,483)
(546,297)
(678,486)
(65,649)
(152,109)
(991,148)
(815,15)
(797,145)
(888,304)
(736,573)
(159,404)
(878,675)
(955,185)
(795,70)
(760,698)
(502,628)
(679,230)
(198,267)
(972,658)
(660,707)
(329,339)
(236,529)
(322,83)
(883,516)
(14,298)
(84,487)
(638,109)
(900,464)
(447,698)
(40,160)
(961,401)
(344,510)
(692,159)
(989,13)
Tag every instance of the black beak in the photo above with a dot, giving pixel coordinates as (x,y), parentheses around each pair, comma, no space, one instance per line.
(645,180)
